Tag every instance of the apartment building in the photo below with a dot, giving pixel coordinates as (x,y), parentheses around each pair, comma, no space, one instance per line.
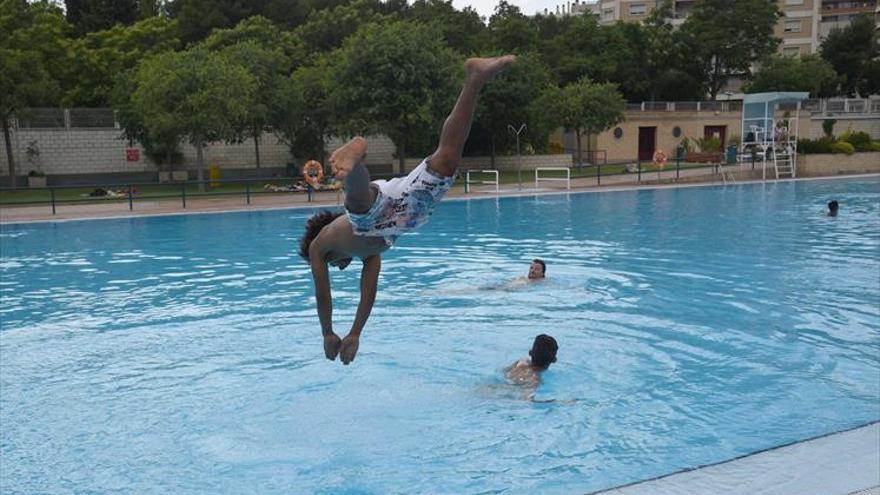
(802,28)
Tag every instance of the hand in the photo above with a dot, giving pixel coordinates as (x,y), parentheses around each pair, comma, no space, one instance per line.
(331,345)
(349,348)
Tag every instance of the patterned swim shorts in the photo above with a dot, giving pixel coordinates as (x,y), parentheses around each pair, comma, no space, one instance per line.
(403,204)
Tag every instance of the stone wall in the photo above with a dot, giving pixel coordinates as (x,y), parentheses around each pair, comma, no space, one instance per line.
(823,165)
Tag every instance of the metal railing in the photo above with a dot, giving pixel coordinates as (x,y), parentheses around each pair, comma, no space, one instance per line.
(468,181)
(566,179)
(133,192)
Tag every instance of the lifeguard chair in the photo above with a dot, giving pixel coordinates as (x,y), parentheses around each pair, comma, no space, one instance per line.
(768,138)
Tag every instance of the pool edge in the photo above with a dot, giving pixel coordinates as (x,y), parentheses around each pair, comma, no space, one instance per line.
(676,483)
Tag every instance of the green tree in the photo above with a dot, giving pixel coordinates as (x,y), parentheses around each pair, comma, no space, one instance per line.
(727,36)
(97,15)
(31,50)
(511,31)
(303,116)
(269,55)
(583,107)
(195,94)
(198,18)
(463,30)
(509,102)
(327,29)
(780,73)
(854,54)
(98,57)
(586,49)
(398,79)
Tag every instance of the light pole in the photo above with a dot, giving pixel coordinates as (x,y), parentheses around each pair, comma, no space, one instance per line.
(518,156)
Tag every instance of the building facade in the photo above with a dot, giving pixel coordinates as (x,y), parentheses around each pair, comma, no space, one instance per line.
(802,28)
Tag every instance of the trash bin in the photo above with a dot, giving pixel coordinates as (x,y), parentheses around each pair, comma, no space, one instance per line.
(214,175)
(292,169)
(731,154)
(679,153)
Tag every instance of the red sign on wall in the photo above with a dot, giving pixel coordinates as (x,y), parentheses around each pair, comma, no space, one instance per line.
(132,154)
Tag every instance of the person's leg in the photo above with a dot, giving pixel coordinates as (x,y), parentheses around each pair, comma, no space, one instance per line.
(347,164)
(359,195)
(457,126)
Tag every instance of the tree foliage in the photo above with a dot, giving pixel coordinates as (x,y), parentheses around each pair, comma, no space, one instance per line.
(726,37)
(507,101)
(97,15)
(583,107)
(398,79)
(31,55)
(194,94)
(781,73)
(854,52)
(99,56)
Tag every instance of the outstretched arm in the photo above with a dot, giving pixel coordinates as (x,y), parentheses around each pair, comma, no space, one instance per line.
(325,301)
(369,283)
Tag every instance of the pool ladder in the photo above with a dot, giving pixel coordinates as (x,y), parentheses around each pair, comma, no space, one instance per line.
(784,162)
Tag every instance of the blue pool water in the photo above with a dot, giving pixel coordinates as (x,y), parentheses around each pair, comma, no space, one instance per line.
(182,354)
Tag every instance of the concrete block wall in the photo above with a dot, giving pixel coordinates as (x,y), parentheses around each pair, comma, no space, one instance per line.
(868,124)
(824,165)
(504,163)
(97,151)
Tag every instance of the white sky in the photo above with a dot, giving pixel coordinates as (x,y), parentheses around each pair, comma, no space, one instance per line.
(528,7)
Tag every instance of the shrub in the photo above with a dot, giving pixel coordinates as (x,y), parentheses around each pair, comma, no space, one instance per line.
(709,144)
(828,127)
(687,144)
(861,141)
(815,146)
(875,146)
(843,147)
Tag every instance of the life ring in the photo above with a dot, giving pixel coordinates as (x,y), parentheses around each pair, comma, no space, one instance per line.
(660,158)
(313,173)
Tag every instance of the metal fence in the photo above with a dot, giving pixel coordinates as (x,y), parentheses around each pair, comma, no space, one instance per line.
(133,192)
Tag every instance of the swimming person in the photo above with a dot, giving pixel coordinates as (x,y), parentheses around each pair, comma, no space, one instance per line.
(527,371)
(379,212)
(537,270)
(833,206)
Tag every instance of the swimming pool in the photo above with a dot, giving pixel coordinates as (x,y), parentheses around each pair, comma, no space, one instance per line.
(182,354)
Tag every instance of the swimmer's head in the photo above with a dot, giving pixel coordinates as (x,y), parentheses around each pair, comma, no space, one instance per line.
(833,206)
(537,269)
(313,228)
(543,351)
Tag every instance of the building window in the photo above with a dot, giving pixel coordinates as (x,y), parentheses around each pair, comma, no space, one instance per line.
(791,51)
(794,2)
(792,26)
(608,14)
(638,9)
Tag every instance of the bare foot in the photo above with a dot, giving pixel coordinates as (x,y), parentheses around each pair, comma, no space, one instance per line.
(485,69)
(346,157)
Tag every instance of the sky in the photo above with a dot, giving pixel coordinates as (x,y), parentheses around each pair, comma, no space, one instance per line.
(528,7)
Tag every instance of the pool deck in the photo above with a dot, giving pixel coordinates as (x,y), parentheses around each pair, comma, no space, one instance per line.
(845,463)
(119,208)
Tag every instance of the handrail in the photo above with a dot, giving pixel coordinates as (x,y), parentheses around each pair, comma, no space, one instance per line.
(567,178)
(467,179)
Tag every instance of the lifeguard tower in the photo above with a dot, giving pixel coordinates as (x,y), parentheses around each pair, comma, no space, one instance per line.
(769,139)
